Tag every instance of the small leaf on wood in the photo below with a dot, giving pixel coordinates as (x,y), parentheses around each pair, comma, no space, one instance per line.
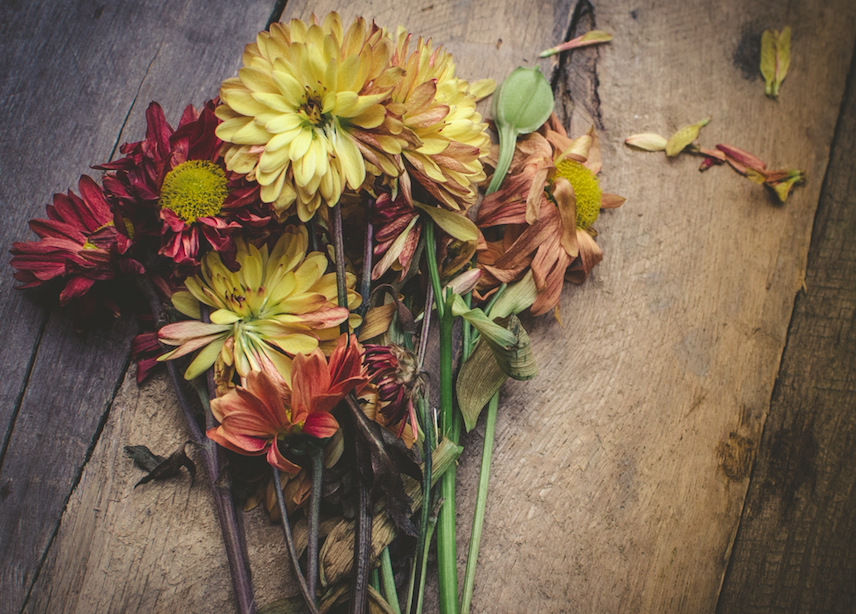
(647,141)
(768,59)
(143,457)
(478,380)
(683,137)
(171,466)
(783,58)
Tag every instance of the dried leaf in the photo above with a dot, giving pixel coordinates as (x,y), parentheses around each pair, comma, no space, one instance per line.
(647,141)
(478,380)
(288,605)
(336,555)
(171,466)
(377,321)
(684,137)
(143,457)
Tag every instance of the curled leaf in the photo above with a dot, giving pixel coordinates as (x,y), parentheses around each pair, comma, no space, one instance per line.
(478,380)
(170,466)
(522,104)
(647,141)
(143,457)
(589,38)
(683,137)
(517,297)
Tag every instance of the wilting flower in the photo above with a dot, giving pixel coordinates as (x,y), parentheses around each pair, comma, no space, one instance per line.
(78,242)
(295,114)
(174,184)
(548,203)
(396,234)
(443,134)
(395,372)
(254,419)
(278,304)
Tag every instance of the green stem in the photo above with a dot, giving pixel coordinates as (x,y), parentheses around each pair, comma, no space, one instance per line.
(432,522)
(317,456)
(450,426)
(424,541)
(481,504)
(507,142)
(374,579)
(388,581)
(433,271)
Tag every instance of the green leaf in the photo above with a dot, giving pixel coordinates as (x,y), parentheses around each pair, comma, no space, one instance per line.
(457,225)
(490,330)
(517,297)
(783,58)
(684,137)
(768,59)
(478,380)
(522,104)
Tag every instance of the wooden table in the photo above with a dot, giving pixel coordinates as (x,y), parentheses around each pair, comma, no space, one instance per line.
(688,444)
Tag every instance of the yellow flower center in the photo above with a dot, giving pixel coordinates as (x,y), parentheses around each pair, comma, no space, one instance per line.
(87,244)
(586,189)
(194,189)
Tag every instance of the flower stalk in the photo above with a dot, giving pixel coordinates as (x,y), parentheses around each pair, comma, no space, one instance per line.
(316,455)
(450,426)
(289,541)
(231,527)
(481,505)
(388,581)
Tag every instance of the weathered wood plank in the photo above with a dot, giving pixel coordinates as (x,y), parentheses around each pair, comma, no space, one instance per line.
(74,74)
(795,549)
(620,472)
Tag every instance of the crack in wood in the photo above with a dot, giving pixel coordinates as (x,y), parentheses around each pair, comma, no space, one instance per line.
(133,103)
(578,79)
(19,400)
(102,422)
(276,13)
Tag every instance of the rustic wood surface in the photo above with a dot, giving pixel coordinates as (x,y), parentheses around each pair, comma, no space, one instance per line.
(620,473)
(794,548)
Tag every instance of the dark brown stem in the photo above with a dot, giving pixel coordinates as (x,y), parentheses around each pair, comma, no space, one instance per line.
(363,526)
(214,457)
(308,597)
(366,281)
(317,456)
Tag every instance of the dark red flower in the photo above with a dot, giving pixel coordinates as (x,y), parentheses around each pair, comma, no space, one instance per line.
(175,185)
(78,242)
(396,235)
(395,372)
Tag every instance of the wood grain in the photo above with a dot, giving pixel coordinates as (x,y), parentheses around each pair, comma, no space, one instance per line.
(796,547)
(620,472)
(77,79)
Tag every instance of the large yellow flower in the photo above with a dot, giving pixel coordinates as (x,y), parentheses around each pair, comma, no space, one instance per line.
(293,116)
(278,304)
(443,133)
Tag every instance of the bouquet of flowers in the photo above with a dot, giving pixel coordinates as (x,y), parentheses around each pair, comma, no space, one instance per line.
(294,242)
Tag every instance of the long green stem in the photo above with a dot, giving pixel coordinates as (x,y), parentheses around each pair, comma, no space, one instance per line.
(446,543)
(422,545)
(388,581)
(317,456)
(432,522)
(481,505)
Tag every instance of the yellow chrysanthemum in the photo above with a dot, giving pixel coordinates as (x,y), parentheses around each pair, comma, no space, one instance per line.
(444,134)
(278,304)
(293,116)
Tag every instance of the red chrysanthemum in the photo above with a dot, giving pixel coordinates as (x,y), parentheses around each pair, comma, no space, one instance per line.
(78,242)
(175,184)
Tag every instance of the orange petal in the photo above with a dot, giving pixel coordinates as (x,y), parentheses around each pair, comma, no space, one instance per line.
(566,201)
(611,201)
